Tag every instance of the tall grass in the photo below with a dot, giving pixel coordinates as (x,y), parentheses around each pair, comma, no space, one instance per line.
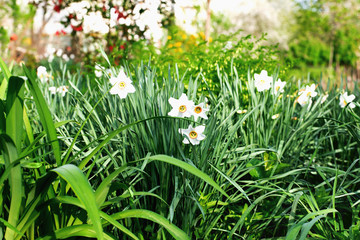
(94,165)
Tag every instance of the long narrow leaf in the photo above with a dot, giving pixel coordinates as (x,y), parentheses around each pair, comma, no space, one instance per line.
(14,110)
(9,152)
(81,187)
(146,214)
(45,115)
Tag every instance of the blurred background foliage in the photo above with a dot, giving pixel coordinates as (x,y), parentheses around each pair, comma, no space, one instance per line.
(320,37)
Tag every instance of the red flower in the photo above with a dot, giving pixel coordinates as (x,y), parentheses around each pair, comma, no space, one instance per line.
(78,28)
(71,16)
(120,14)
(111,48)
(57,33)
(122,46)
(57,8)
(13,37)
(63,32)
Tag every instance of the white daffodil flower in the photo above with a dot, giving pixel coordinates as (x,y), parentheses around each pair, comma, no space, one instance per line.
(275,116)
(323,99)
(42,74)
(199,111)
(345,100)
(262,81)
(242,111)
(306,94)
(309,91)
(63,90)
(279,86)
(52,90)
(122,85)
(193,135)
(182,107)
(99,70)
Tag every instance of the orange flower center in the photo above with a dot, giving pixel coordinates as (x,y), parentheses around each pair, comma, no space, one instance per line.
(122,85)
(193,135)
(198,109)
(182,108)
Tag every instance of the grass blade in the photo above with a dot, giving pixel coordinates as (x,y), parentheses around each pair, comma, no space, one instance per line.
(81,187)
(45,115)
(191,169)
(176,232)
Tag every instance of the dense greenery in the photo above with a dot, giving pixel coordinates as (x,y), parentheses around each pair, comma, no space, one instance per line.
(325,33)
(90,164)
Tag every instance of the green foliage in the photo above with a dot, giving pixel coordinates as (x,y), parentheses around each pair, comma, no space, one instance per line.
(92,165)
(193,54)
(325,33)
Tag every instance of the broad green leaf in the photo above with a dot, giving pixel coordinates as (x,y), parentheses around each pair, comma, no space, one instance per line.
(45,115)
(109,219)
(81,187)
(10,154)
(83,230)
(14,110)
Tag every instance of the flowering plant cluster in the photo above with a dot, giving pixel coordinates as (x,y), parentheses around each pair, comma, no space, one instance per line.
(43,74)
(183,107)
(264,82)
(121,85)
(306,95)
(114,24)
(45,78)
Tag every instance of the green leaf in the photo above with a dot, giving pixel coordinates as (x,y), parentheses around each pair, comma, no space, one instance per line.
(83,230)
(191,169)
(8,225)
(307,226)
(81,187)
(4,83)
(10,154)
(76,202)
(14,110)
(176,232)
(294,230)
(45,115)
(2,117)
(28,127)
(102,191)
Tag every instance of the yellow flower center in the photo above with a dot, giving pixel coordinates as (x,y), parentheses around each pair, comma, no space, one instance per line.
(182,108)
(262,81)
(198,109)
(122,85)
(193,135)
(345,102)
(277,88)
(308,94)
